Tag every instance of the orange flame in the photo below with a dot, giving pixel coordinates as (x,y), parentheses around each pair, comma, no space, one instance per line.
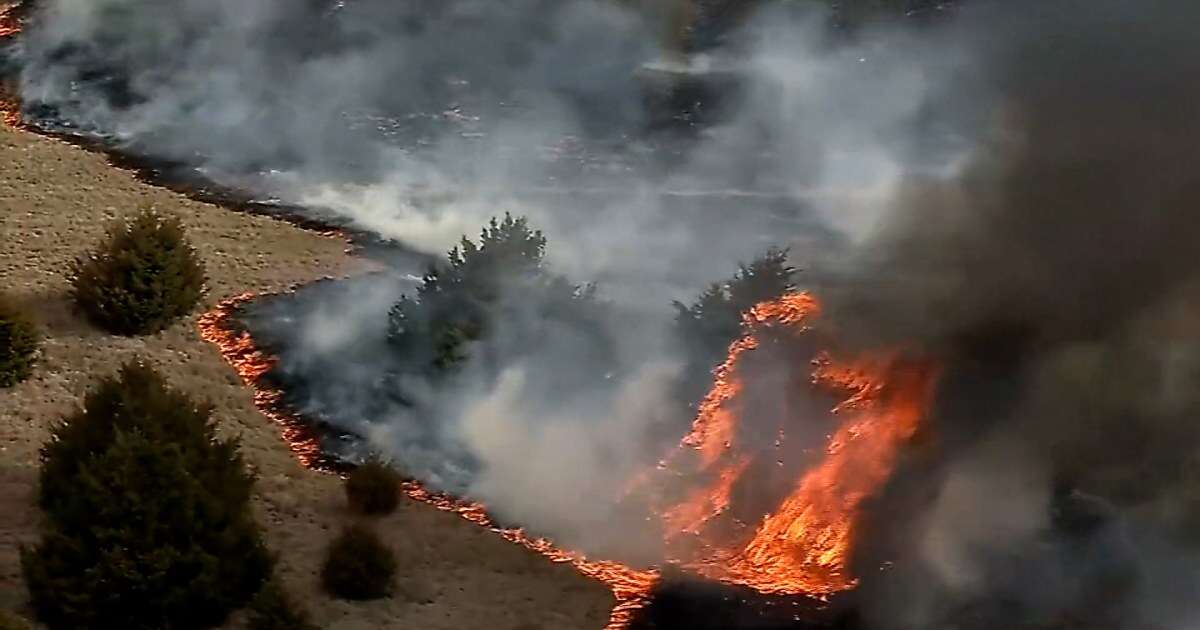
(800,547)
(251,364)
(803,545)
(11,23)
(10,112)
(10,20)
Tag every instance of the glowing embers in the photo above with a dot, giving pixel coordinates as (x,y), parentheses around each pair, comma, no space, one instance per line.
(10,111)
(803,543)
(10,25)
(251,364)
(801,540)
(10,19)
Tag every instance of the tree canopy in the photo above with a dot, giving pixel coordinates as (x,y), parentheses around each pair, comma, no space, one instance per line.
(501,280)
(147,516)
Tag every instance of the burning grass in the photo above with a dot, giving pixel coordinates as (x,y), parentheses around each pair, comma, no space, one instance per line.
(630,586)
(801,547)
(10,19)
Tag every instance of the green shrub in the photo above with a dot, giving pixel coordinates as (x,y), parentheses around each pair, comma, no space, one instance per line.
(358,565)
(18,344)
(147,515)
(12,621)
(373,488)
(274,609)
(500,281)
(141,278)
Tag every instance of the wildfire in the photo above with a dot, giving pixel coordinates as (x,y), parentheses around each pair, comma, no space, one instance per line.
(10,25)
(10,112)
(630,587)
(10,20)
(803,545)
(251,364)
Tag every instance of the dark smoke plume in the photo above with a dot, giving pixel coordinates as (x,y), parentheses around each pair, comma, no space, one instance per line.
(1016,184)
(1057,276)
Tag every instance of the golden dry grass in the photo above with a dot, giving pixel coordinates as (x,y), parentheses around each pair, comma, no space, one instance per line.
(54,200)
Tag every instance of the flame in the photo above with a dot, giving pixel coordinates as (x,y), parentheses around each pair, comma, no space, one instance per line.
(803,545)
(10,25)
(630,587)
(800,547)
(251,364)
(10,19)
(10,112)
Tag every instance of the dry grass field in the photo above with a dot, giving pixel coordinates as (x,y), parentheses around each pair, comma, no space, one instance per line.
(54,200)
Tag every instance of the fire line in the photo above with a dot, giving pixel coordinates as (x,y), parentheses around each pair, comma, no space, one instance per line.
(630,587)
(800,548)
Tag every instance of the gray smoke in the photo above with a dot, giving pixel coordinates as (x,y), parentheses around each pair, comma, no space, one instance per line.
(420,121)
(1011,190)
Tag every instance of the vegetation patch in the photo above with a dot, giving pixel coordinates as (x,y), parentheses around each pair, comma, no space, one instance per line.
(141,278)
(19,341)
(274,609)
(358,565)
(373,488)
(147,514)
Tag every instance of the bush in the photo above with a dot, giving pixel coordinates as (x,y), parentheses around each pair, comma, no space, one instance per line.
(358,566)
(503,280)
(141,278)
(707,326)
(373,488)
(147,515)
(12,621)
(274,609)
(18,344)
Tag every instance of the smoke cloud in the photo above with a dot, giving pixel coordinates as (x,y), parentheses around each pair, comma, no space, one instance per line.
(1010,189)
(1055,274)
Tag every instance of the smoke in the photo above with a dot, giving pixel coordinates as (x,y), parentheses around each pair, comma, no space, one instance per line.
(566,443)
(1072,215)
(1060,256)
(419,122)
(1010,190)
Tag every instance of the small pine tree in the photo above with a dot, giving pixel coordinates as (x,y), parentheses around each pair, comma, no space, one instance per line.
(141,278)
(18,344)
(147,515)
(708,325)
(454,303)
(373,488)
(358,566)
(274,609)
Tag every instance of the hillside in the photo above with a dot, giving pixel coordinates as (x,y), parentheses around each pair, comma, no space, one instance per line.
(54,199)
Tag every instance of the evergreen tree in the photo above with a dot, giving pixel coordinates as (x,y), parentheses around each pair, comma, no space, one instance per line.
(141,278)
(147,516)
(460,300)
(274,609)
(18,344)
(373,488)
(358,565)
(709,324)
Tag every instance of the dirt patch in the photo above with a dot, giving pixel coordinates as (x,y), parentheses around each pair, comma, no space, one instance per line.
(54,200)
